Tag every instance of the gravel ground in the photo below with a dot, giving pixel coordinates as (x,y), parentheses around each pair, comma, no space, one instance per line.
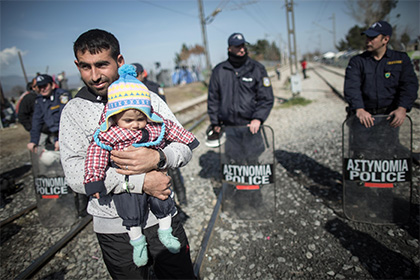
(309,237)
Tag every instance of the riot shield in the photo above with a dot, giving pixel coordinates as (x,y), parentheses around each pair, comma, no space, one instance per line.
(56,203)
(248,173)
(377,166)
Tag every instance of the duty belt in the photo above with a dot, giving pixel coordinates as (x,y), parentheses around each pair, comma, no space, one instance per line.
(378,111)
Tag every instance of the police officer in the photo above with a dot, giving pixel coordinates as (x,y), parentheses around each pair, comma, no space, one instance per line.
(47,111)
(152,86)
(380,80)
(240,92)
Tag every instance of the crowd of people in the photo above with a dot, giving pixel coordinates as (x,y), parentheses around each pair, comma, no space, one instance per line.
(117,137)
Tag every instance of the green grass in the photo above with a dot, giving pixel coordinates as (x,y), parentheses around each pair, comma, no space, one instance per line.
(295,101)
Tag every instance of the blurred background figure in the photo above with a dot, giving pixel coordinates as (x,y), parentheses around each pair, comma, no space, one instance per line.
(152,86)
(25,105)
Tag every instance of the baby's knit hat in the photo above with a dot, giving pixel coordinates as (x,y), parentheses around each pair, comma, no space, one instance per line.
(128,93)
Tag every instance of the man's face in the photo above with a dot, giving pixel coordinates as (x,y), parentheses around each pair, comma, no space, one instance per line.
(238,50)
(373,44)
(45,90)
(99,70)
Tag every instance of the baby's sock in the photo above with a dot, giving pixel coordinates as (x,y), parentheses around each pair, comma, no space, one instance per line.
(166,237)
(140,257)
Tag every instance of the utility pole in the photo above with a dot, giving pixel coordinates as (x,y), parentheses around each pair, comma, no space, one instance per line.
(291,36)
(295,82)
(204,34)
(333,28)
(23,68)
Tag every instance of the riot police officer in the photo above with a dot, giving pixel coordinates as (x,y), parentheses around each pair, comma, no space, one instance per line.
(47,111)
(380,80)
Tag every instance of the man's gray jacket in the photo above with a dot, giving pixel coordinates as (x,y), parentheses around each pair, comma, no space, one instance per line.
(79,120)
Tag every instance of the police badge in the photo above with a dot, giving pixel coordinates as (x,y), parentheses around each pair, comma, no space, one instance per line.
(64,99)
(266,82)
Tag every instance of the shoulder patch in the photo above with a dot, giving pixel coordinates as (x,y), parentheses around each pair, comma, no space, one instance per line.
(64,99)
(266,82)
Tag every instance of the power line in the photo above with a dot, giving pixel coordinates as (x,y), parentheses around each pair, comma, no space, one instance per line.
(239,6)
(166,8)
(252,16)
(321,10)
(266,18)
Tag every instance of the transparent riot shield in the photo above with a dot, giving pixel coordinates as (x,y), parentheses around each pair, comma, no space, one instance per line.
(56,203)
(248,173)
(377,171)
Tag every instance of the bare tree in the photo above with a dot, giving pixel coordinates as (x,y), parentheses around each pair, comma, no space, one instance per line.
(188,53)
(367,12)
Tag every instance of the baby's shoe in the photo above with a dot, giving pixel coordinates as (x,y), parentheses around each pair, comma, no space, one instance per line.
(168,240)
(139,251)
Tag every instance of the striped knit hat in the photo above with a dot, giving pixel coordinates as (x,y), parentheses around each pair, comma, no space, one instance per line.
(128,93)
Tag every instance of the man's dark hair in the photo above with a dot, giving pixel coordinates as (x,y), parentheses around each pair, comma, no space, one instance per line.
(95,41)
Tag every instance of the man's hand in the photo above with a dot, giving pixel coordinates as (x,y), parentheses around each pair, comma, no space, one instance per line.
(399,116)
(157,184)
(32,147)
(135,160)
(365,117)
(56,146)
(254,126)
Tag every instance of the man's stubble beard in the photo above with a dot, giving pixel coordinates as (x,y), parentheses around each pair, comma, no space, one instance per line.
(103,92)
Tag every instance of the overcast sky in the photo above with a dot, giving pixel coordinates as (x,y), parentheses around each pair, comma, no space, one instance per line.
(149,31)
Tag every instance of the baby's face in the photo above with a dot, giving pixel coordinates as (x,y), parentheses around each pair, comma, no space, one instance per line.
(131,119)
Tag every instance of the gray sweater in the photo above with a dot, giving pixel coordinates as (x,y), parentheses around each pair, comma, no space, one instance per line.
(79,120)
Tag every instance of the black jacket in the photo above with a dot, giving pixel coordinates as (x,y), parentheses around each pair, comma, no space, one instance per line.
(388,83)
(26,110)
(152,86)
(237,96)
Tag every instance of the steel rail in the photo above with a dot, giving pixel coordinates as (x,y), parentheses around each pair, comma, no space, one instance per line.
(207,235)
(42,260)
(336,91)
(199,102)
(18,215)
(202,116)
(332,71)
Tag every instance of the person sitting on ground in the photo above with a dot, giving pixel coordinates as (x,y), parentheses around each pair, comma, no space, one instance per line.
(128,119)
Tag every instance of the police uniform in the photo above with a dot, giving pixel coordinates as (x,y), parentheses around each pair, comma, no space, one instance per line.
(238,95)
(381,86)
(47,111)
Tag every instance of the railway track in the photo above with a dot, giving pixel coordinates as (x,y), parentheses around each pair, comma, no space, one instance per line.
(191,116)
(191,123)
